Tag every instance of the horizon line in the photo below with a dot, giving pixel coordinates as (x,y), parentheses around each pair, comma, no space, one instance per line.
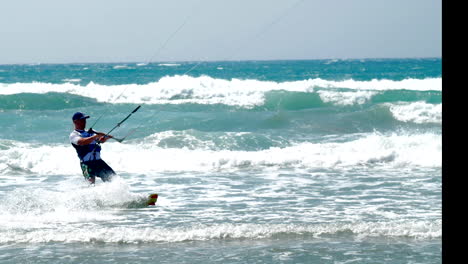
(214,61)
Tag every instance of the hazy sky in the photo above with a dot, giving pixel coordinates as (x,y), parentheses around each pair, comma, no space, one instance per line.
(61,31)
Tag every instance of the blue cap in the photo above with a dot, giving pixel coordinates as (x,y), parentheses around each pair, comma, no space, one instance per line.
(79,115)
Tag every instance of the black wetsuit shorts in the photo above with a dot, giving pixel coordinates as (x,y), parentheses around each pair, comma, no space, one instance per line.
(97,168)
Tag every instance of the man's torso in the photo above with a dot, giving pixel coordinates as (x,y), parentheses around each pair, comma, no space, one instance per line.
(88,152)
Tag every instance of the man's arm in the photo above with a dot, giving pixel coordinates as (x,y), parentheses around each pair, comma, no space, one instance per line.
(78,140)
(102,136)
(87,140)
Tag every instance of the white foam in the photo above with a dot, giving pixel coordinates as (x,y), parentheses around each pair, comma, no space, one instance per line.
(372,149)
(346,98)
(69,202)
(368,150)
(417,112)
(169,64)
(116,67)
(127,234)
(207,90)
(72,80)
(428,84)
(35,158)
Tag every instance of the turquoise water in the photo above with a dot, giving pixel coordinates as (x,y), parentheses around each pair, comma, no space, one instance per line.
(320,161)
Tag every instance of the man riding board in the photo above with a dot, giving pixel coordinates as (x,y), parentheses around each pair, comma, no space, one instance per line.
(87,145)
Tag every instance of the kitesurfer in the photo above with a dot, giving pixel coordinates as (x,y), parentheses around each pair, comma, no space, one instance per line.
(87,145)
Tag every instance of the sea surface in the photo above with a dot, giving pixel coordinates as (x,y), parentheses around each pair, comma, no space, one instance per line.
(314,161)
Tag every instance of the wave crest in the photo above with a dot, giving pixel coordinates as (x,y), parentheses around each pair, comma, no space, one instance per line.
(183,89)
(394,150)
(131,235)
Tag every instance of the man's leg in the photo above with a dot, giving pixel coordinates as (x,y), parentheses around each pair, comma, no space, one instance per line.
(87,173)
(105,171)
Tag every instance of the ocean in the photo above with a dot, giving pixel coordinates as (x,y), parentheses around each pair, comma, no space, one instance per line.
(301,161)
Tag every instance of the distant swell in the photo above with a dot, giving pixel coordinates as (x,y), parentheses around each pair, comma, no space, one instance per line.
(287,100)
(47,101)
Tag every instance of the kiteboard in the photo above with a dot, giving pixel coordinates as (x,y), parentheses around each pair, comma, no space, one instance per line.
(152,198)
(141,202)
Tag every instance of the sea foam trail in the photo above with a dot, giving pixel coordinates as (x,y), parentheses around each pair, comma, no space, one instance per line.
(70,201)
(374,149)
(235,92)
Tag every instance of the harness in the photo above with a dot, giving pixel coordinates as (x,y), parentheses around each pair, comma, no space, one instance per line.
(85,150)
